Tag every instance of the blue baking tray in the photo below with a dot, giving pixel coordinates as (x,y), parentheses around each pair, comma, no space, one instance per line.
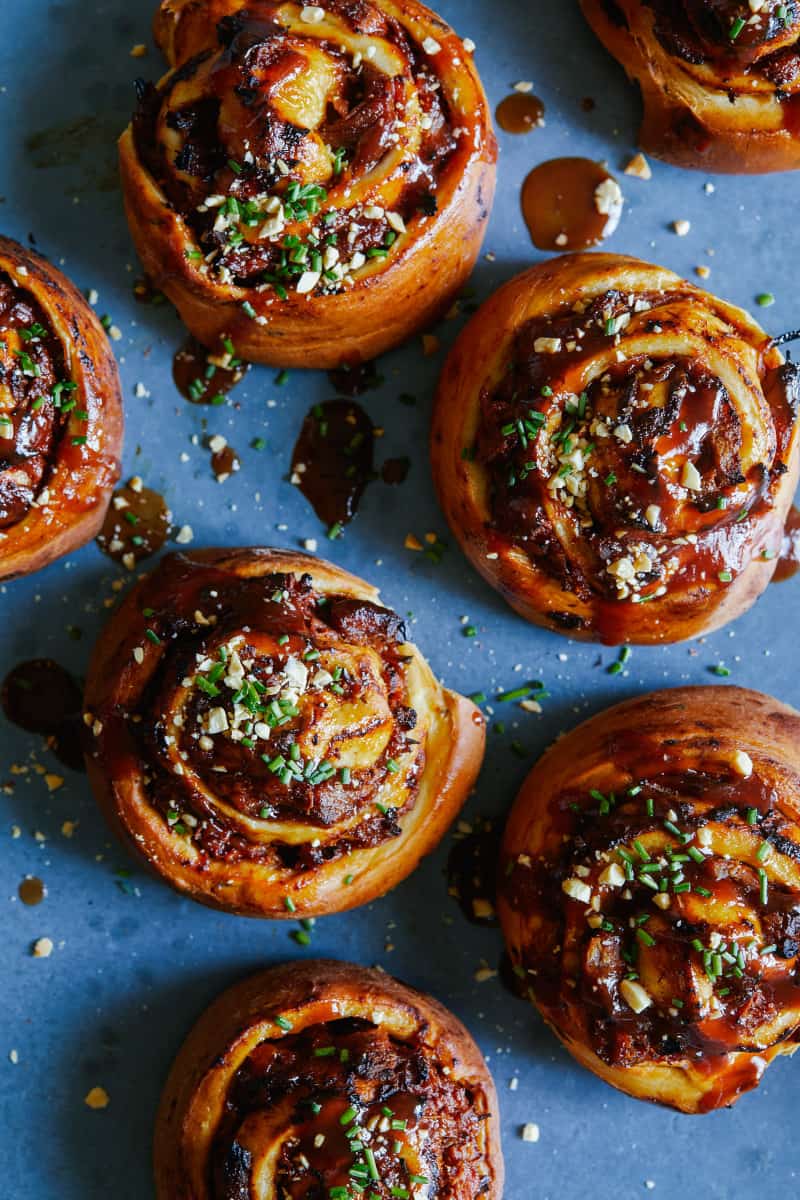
(133,963)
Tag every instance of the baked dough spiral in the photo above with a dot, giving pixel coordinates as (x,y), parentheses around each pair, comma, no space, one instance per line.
(327,1079)
(617,450)
(301,168)
(650,892)
(720,79)
(60,414)
(263,734)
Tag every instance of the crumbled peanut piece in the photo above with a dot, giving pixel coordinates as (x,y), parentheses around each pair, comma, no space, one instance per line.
(577,890)
(635,995)
(639,167)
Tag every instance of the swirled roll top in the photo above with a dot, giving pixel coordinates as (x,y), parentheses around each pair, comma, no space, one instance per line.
(60,414)
(280,729)
(651,892)
(760,38)
(332,1080)
(627,439)
(720,79)
(303,151)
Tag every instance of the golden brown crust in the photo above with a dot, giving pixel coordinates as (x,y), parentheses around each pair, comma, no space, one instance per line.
(711,102)
(376,303)
(696,790)
(329,1006)
(272,834)
(61,444)
(627,477)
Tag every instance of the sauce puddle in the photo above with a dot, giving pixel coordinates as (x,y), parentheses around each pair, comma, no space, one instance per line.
(332,462)
(137,524)
(472,873)
(520,113)
(204,377)
(357,379)
(40,696)
(31,891)
(570,204)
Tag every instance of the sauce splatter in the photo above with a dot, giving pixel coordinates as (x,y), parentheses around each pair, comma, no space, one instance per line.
(789,559)
(145,292)
(472,873)
(570,204)
(356,379)
(137,524)
(520,113)
(205,377)
(395,470)
(332,462)
(224,459)
(31,891)
(42,697)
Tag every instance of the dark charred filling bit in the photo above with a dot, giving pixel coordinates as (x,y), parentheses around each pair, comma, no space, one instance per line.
(644,468)
(255,664)
(266,199)
(372,1118)
(728,35)
(634,901)
(37,399)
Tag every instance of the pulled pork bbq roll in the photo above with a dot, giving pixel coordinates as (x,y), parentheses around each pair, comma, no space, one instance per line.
(720,79)
(60,415)
(650,893)
(326,1079)
(301,170)
(617,450)
(263,734)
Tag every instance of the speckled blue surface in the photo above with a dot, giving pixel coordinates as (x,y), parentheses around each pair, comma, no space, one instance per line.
(133,967)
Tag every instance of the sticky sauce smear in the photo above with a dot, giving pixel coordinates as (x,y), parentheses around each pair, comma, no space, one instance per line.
(204,377)
(520,113)
(42,697)
(31,891)
(789,559)
(137,524)
(570,204)
(332,461)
